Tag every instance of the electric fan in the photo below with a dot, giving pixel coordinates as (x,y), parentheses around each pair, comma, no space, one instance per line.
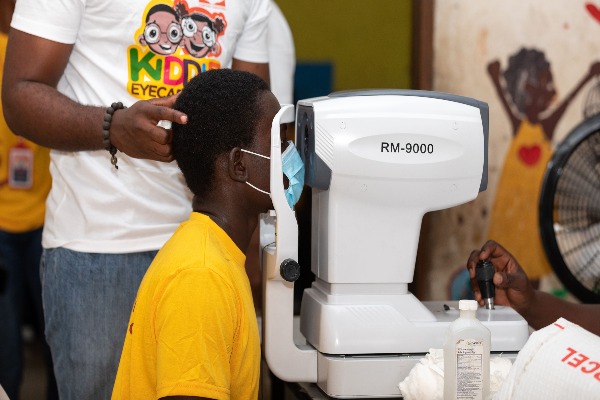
(570,211)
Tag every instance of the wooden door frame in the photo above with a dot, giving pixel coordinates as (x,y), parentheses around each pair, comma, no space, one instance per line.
(422,79)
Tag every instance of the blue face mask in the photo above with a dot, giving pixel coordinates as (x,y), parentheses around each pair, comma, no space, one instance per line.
(293,168)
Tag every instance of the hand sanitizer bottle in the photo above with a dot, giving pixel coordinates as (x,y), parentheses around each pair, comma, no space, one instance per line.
(467,356)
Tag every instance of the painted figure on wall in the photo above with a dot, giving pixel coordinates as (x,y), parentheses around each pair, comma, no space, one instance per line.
(526,90)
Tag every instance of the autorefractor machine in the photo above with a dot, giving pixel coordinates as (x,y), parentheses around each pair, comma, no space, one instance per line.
(376,161)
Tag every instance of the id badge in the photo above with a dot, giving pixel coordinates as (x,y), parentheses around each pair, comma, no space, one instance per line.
(20,167)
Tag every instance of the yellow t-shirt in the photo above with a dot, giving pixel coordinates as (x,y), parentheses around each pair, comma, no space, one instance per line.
(22,206)
(193,329)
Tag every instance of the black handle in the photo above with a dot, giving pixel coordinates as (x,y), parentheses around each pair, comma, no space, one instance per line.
(484,272)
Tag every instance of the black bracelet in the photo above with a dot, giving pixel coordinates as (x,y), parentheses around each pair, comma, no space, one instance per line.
(106,131)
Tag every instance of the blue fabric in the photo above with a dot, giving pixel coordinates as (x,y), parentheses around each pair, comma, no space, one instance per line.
(293,168)
(20,258)
(87,303)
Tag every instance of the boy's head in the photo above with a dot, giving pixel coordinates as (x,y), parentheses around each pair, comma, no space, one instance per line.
(227,110)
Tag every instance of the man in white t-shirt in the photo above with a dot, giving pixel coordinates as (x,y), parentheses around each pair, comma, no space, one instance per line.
(109,211)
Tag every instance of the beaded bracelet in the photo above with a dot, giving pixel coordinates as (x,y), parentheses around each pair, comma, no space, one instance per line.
(106,131)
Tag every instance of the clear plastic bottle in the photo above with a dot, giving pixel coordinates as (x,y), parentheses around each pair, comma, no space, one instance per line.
(467,356)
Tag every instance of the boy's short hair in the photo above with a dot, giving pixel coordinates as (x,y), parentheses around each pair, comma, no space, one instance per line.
(223,111)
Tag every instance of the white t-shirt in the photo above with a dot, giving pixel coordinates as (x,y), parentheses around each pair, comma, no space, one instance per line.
(126,51)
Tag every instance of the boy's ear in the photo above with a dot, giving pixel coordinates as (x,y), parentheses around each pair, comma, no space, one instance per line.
(236,166)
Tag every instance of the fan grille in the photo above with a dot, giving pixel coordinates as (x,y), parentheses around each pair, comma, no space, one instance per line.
(577,213)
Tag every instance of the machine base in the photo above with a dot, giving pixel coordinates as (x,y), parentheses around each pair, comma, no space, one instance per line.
(363,374)
(351,324)
(360,377)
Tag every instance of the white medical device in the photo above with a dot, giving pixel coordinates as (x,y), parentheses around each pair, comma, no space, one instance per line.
(376,161)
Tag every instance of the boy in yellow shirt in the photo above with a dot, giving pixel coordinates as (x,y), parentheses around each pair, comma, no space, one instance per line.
(193,331)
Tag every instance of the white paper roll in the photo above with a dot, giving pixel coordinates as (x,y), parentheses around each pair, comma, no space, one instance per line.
(560,361)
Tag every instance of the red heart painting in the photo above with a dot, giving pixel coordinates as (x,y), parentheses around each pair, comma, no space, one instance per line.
(530,155)
(593,10)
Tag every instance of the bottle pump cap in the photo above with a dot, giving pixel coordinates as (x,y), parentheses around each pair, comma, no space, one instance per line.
(468,305)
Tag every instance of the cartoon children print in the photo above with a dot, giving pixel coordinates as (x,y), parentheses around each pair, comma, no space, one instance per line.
(168,26)
(163,32)
(173,43)
(526,90)
(200,33)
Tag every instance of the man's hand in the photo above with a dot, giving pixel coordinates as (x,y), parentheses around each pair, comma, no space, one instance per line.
(35,109)
(134,131)
(514,289)
(512,285)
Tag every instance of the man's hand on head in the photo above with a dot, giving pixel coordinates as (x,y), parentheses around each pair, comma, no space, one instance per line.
(134,130)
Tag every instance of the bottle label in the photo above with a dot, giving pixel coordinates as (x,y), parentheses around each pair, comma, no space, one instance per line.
(469,369)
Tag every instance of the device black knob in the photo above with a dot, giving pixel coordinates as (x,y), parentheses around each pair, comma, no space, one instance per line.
(484,273)
(289,270)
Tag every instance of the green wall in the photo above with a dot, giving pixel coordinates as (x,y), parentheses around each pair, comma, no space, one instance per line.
(368,42)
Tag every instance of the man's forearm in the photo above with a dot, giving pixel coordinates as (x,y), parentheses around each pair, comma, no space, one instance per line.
(547,308)
(32,105)
(45,116)
(260,69)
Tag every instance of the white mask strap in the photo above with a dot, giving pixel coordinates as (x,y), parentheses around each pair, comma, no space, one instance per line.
(255,154)
(260,190)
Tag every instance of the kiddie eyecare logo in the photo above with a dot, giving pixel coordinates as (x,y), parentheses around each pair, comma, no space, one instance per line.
(174,43)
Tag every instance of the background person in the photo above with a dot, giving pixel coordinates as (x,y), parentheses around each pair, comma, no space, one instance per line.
(514,289)
(24,184)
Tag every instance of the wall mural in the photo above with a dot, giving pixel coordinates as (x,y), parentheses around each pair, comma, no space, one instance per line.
(537,68)
(527,93)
